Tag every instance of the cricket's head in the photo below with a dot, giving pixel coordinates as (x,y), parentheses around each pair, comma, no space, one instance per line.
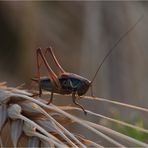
(85,84)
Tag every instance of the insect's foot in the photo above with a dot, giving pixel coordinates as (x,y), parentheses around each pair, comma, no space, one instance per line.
(85,112)
(94,97)
(35,94)
(48,102)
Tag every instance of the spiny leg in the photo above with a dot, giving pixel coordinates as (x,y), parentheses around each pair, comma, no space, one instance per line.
(38,74)
(35,79)
(40,91)
(75,102)
(51,98)
(51,74)
(60,69)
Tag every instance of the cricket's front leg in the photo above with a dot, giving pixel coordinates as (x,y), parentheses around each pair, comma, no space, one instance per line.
(75,102)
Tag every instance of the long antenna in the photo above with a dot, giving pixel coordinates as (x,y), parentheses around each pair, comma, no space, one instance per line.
(115,45)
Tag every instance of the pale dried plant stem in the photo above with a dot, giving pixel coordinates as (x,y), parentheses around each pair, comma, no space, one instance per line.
(93,144)
(54,108)
(55,123)
(67,132)
(108,130)
(48,123)
(55,140)
(45,138)
(109,101)
(86,125)
(120,122)
(49,107)
(14,112)
(58,127)
(117,103)
(65,137)
(107,118)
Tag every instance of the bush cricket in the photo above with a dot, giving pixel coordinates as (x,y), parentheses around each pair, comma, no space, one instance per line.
(64,82)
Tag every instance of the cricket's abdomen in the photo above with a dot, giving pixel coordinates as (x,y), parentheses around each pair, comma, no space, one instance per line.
(45,83)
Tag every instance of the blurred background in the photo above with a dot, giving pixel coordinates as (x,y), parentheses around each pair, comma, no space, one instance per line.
(81,33)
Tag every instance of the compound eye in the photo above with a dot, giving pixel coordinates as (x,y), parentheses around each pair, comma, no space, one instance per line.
(68,83)
(65,83)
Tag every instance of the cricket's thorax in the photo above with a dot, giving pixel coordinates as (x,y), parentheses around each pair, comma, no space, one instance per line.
(69,83)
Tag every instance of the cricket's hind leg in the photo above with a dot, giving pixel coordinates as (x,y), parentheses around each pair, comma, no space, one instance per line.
(50,51)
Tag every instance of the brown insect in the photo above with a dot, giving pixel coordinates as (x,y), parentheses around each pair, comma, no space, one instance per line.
(64,82)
